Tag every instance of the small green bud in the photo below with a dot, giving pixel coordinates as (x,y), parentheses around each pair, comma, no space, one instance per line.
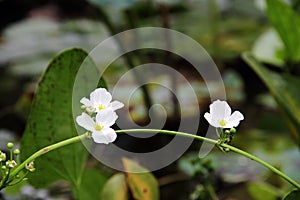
(232,130)
(3,167)
(16,151)
(227,132)
(10,145)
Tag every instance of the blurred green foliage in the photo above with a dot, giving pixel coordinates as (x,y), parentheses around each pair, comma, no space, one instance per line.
(287,24)
(284,83)
(284,88)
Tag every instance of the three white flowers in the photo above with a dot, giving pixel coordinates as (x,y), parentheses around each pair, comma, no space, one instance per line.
(101,106)
(220,115)
(100,115)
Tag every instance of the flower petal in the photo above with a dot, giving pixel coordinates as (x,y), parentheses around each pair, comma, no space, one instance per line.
(234,119)
(85,121)
(85,101)
(106,117)
(100,96)
(210,120)
(105,136)
(219,110)
(207,116)
(116,105)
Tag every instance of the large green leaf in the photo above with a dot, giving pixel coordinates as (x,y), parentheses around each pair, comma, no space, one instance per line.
(287,23)
(284,88)
(143,186)
(51,120)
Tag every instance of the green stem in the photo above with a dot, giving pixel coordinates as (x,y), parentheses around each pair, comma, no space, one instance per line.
(46,150)
(211,192)
(215,142)
(10,154)
(260,161)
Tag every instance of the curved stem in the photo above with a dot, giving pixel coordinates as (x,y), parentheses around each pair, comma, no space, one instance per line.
(46,150)
(260,161)
(200,138)
(215,142)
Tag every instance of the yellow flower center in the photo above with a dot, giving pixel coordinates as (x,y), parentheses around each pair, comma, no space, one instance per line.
(222,123)
(101,107)
(98,127)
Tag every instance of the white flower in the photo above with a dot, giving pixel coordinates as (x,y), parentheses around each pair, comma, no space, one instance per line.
(2,156)
(100,127)
(30,166)
(100,99)
(220,115)
(11,163)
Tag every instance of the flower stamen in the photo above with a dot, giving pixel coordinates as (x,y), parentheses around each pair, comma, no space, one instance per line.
(101,107)
(98,127)
(222,123)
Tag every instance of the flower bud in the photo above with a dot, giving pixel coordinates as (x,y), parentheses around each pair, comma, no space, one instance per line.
(16,151)
(232,130)
(227,132)
(10,145)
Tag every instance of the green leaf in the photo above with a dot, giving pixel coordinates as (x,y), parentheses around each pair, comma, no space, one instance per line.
(287,23)
(115,188)
(284,88)
(51,119)
(262,191)
(92,184)
(143,186)
(293,195)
